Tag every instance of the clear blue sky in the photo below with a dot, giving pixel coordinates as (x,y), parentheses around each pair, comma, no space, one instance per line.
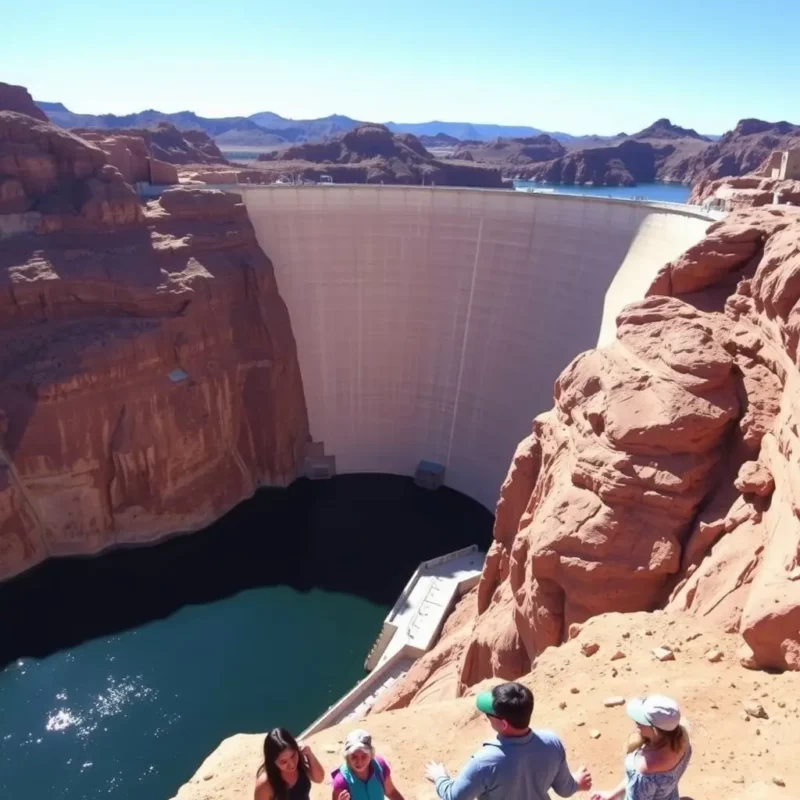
(577,66)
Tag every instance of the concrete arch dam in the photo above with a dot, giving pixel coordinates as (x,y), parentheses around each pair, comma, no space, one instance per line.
(431,323)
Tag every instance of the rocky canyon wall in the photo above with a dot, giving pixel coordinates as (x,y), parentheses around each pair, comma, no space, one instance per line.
(148,372)
(666,475)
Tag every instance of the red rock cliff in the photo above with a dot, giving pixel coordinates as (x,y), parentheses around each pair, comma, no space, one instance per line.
(667,474)
(148,373)
(18,99)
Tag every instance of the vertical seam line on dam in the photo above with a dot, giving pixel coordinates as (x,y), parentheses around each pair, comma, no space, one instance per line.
(464,339)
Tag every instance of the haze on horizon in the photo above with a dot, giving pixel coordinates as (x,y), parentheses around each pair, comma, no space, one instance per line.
(595,69)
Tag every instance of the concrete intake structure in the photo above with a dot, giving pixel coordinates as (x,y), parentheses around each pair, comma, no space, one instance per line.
(431,323)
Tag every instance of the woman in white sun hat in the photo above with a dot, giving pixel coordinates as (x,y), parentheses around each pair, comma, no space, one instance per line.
(658,752)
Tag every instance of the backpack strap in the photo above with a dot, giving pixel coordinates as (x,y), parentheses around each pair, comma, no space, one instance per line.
(378,770)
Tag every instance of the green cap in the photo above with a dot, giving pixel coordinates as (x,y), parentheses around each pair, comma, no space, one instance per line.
(485,703)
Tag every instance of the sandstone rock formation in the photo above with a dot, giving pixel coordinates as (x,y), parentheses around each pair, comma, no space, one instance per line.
(747,191)
(739,152)
(666,474)
(678,155)
(17,98)
(625,164)
(372,154)
(51,180)
(131,156)
(439,140)
(658,152)
(164,143)
(217,174)
(740,560)
(512,156)
(148,376)
(664,129)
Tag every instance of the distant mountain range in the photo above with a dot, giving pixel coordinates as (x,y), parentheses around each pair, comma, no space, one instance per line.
(267,129)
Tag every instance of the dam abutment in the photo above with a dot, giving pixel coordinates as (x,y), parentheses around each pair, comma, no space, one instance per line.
(431,323)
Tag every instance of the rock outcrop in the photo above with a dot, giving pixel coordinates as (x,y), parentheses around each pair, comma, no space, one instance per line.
(741,151)
(148,377)
(512,156)
(164,143)
(657,152)
(747,191)
(51,180)
(665,129)
(373,154)
(625,164)
(439,140)
(17,98)
(130,154)
(666,475)
(740,559)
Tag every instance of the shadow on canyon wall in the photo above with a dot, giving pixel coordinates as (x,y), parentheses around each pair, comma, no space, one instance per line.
(358,534)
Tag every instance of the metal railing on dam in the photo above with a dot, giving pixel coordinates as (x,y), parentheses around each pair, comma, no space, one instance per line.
(431,323)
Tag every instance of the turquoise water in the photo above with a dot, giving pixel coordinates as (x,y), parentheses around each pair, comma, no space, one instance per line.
(660,192)
(123,672)
(133,715)
(242,156)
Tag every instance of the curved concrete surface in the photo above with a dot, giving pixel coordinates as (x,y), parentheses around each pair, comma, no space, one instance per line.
(431,323)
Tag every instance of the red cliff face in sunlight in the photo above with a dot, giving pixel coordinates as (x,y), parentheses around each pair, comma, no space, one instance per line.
(148,377)
(665,475)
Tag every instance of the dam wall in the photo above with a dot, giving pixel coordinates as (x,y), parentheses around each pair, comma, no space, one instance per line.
(431,323)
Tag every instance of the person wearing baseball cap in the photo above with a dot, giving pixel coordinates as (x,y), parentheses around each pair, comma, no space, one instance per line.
(516,764)
(658,752)
(364,775)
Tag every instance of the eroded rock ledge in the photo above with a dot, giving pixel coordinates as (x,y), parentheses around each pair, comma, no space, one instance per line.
(148,372)
(666,475)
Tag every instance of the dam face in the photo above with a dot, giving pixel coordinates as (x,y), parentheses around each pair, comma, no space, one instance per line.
(431,323)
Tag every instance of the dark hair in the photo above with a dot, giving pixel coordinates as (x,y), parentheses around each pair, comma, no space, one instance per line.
(275,742)
(513,702)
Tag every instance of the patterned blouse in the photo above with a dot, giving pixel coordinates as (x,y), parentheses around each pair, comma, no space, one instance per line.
(654,785)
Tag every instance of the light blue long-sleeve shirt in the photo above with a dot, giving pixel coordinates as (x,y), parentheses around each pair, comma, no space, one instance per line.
(513,768)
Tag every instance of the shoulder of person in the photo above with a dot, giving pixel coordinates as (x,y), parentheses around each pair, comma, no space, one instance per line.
(490,753)
(263,789)
(383,763)
(649,761)
(547,736)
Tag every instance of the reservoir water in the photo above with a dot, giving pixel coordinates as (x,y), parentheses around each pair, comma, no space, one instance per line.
(121,673)
(657,192)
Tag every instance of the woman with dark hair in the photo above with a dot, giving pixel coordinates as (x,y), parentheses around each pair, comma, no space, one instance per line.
(288,768)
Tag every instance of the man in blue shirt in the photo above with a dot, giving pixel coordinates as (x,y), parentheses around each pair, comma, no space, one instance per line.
(519,763)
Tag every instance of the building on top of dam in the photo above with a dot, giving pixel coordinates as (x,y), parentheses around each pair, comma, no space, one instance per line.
(431,324)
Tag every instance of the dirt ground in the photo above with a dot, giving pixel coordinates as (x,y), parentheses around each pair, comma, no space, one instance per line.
(736,756)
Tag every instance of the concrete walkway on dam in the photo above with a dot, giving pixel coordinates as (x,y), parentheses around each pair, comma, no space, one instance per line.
(410,629)
(432,323)
(416,618)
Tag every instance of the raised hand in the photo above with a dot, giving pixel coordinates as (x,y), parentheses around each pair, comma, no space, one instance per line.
(434,770)
(584,779)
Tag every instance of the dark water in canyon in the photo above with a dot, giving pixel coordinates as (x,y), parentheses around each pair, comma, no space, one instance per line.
(121,673)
